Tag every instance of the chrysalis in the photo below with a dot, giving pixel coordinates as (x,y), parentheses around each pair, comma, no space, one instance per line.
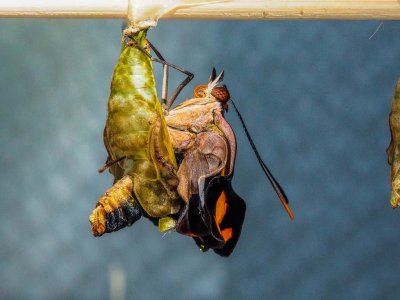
(393,151)
(140,154)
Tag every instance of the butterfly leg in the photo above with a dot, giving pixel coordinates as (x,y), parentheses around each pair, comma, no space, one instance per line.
(179,88)
(160,59)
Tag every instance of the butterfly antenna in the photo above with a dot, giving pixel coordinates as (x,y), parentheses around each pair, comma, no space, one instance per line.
(278,190)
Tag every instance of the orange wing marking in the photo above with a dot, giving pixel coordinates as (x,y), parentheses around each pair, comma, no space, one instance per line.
(220,212)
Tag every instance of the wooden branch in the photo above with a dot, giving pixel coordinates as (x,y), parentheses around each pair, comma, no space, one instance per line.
(236,9)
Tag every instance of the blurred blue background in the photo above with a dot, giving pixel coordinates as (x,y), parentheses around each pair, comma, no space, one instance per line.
(316,97)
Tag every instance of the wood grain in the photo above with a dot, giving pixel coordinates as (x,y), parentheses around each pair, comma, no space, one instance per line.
(236,9)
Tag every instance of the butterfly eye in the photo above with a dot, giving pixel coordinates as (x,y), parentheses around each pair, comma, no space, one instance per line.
(221,93)
(200,91)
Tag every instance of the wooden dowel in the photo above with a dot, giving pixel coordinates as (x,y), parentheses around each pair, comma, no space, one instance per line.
(236,9)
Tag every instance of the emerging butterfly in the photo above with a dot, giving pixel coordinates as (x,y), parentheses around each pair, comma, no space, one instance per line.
(173,166)
(214,213)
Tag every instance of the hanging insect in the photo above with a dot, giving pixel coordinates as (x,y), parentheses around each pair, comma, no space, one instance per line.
(393,151)
(200,135)
(214,213)
(194,196)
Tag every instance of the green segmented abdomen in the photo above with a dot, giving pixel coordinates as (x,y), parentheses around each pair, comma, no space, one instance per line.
(132,106)
(136,129)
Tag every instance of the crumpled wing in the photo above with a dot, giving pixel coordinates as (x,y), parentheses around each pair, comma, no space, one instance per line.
(206,158)
(228,207)
(229,210)
(214,214)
